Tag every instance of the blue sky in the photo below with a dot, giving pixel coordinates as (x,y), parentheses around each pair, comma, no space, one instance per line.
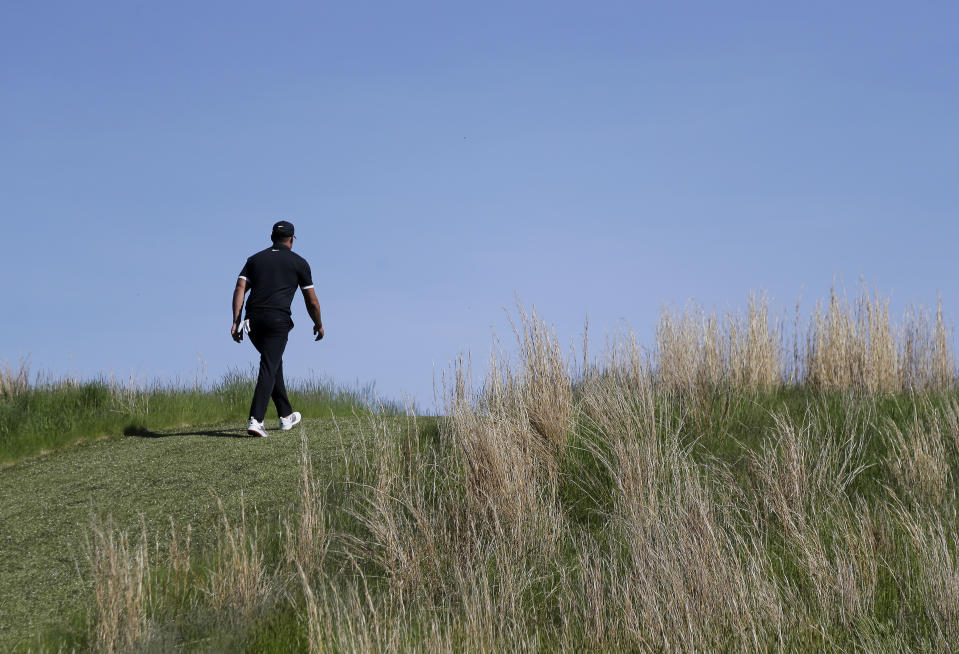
(439,159)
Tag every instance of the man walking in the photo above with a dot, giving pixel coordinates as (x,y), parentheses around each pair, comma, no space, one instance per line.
(272,276)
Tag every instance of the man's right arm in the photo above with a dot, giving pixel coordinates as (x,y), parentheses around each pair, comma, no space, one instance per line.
(238,294)
(313,308)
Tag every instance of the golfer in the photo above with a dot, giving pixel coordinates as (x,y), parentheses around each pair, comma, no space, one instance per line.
(272,276)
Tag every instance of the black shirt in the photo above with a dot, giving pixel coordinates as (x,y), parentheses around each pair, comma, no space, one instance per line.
(272,276)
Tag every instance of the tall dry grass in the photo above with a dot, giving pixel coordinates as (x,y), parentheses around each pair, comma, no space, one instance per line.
(686,578)
(509,436)
(238,581)
(121,576)
(306,532)
(858,346)
(14,380)
(697,350)
(849,344)
(934,579)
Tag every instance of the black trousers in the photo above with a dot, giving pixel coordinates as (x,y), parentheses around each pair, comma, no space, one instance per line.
(269,335)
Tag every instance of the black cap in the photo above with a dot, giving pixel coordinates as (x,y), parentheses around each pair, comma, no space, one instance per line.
(282,229)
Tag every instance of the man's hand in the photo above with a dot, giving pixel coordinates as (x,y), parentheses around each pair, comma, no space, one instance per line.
(318,330)
(236,332)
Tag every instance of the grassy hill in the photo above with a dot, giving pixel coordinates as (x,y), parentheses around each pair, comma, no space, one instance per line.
(719,495)
(788,519)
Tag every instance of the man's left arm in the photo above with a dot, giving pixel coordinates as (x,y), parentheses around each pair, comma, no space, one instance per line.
(313,308)
(309,297)
(238,295)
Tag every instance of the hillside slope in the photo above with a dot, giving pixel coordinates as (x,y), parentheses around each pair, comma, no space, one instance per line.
(46,504)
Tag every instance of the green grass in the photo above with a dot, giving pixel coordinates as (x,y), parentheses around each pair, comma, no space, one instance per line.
(46,504)
(48,416)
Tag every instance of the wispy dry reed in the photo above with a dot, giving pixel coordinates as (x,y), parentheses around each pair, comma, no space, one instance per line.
(853,346)
(803,479)
(689,579)
(121,575)
(849,344)
(698,351)
(180,577)
(509,435)
(918,460)
(314,617)
(926,358)
(306,533)
(14,380)
(933,583)
(237,581)
(545,388)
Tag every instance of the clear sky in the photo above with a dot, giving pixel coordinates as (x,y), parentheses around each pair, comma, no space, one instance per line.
(440,158)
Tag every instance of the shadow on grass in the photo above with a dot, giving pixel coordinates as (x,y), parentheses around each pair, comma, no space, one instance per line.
(143,432)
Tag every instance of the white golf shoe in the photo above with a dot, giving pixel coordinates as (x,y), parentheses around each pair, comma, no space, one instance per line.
(287,423)
(256,428)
